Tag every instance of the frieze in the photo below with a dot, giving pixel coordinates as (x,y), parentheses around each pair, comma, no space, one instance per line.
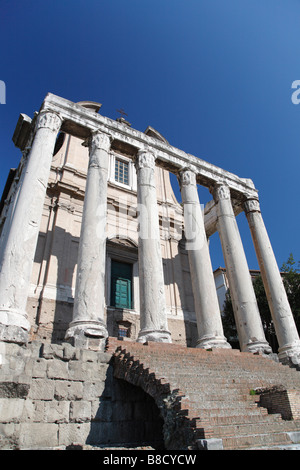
(207,173)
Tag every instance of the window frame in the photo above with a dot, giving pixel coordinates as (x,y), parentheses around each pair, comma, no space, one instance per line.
(132,181)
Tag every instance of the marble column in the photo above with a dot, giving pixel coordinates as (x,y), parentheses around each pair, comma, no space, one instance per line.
(248,322)
(153,316)
(286,331)
(89,303)
(19,244)
(209,324)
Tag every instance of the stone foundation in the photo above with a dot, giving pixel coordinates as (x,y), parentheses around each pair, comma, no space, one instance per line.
(58,396)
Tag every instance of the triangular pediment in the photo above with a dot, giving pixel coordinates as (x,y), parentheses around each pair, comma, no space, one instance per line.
(155,134)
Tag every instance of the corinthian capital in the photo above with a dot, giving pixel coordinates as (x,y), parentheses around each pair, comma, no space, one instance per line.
(221,191)
(98,140)
(187,177)
(49,120)
(145,159)
(251,205)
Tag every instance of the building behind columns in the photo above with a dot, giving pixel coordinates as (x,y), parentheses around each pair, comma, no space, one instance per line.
(53,278)
(94,242)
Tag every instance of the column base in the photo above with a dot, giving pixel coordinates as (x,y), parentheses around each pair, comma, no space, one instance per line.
(256,347)
(158,336)
(14,326)
(290,354)
(87,335)
(212,342)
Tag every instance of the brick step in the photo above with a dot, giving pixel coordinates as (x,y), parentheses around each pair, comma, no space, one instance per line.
(218,409)
(256,440)
(215,419)
(246,429)
(214,387)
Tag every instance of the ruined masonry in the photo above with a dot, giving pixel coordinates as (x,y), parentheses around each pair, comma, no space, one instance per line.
(95,247)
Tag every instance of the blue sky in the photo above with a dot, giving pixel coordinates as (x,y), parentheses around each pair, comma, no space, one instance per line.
(214,77)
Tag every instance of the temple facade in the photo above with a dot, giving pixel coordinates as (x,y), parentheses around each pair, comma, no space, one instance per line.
(94,242)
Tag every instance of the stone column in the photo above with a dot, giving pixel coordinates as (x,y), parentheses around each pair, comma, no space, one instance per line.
(248,322)
(19,244)
(153,316)
(286,331)
(209,324)
(88,326)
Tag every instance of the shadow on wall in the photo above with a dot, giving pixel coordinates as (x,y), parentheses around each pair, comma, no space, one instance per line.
(53,316)
(127,417)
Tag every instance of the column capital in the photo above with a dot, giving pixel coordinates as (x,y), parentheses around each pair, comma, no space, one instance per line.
(251,205)
(220,191)
(145,159)
(50,120)
(98,140)
(187,176)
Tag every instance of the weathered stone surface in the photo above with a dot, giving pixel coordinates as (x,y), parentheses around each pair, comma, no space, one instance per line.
(80,411)
(73,433)
(11,409)
(68,390)
(38,435)
(210,444)
(41,389)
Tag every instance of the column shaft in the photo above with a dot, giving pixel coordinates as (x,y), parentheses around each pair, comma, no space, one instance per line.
(209,324)
(89,301)
(247,317)
(286,331)
(153,316)
(19,245)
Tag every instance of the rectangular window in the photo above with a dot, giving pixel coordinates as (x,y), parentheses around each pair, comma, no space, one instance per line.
(121,285)
(123,332)
(121,171)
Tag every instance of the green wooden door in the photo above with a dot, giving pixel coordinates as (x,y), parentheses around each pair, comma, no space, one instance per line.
(121,284)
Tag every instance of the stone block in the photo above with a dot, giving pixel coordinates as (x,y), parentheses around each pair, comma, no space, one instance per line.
(102,411)
(34,411)
(57,411)
(86,370)
(68,390)
(80,411)
(93,390)
(11,409)
(57,369)
(210,444)
(9,436)
(102,433)
(41,389)
(13,390)
(38,435)
(39,368)
(70,433)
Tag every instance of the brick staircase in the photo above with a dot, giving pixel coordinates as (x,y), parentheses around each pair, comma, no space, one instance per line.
(205,396)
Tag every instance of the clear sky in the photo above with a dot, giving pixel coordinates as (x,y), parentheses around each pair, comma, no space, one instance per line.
(213,76)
